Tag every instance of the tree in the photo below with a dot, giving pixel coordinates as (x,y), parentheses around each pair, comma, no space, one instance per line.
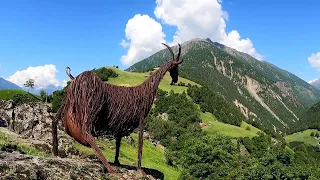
(29,83)
(43,95)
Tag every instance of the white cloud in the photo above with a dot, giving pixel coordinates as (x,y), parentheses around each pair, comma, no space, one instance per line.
(145,37)
(201,19)
(42,75)
(192,18)
(314,60)
(234,40)
(124,43)
(64,83)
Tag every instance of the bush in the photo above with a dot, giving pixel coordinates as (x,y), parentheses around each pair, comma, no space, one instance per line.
(312,134)
(24,98)
(181,84)
(105,73)
(57,99)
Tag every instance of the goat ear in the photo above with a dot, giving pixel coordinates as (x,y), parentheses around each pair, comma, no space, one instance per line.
(179,62)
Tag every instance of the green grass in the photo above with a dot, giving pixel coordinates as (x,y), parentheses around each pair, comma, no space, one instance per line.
(214,126)
(253,129)
(133,79)
(8,94)
(152,157)
(303,136)
(10,138)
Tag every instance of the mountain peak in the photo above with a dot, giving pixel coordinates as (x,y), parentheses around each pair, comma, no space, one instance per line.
(221,46)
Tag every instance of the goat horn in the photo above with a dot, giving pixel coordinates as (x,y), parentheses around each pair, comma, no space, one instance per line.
(179,62)
(179,52)
(169,50)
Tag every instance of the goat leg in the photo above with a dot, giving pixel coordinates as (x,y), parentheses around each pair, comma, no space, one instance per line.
(118,143)
(54,129)
(89,138)
(141,126)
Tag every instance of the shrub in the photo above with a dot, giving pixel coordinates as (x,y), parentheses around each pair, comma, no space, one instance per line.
(105,73)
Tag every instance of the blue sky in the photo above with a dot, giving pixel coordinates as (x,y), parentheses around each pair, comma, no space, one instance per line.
(87,34)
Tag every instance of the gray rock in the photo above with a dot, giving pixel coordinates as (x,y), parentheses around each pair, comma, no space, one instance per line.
(33,121)
(19,166)
(15,165)
(6,109)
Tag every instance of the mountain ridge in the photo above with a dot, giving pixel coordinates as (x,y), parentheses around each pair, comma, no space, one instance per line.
(4,84)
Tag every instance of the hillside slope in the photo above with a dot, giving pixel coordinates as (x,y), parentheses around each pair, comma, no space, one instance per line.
(312,116)
(213,126)
(133,79)
(269,97)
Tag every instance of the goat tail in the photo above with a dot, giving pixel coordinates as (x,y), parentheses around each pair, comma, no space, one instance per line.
(68,72)
(54,129)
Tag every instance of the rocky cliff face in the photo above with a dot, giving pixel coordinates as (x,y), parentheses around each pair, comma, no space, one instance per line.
(32,121)
(30,124)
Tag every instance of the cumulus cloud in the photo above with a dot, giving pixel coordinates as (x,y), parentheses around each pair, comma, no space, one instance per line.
(314,60)
(233,39)
(144,35)
(192,18)
(43,76)
(201,19)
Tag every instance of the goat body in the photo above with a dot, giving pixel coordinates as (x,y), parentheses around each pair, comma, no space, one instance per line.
(92,108)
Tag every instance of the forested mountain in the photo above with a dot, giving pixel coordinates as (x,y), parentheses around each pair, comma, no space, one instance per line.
(312,116)
(269,97)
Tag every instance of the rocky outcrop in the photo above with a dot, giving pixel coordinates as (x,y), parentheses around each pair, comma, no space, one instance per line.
(17,166)
(32,121)
(31,126)
(6,110)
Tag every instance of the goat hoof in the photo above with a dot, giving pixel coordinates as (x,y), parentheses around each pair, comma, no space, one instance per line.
(142,173)
(117,163)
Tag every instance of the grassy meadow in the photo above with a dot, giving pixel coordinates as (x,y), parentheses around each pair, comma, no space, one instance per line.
(214,126)
(133,79)
(8,94)
(152,157)
(303,136)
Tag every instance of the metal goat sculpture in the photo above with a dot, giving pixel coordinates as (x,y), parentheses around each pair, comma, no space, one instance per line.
(92,108)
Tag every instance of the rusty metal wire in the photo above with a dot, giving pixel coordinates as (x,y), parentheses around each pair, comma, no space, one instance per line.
(104,109)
